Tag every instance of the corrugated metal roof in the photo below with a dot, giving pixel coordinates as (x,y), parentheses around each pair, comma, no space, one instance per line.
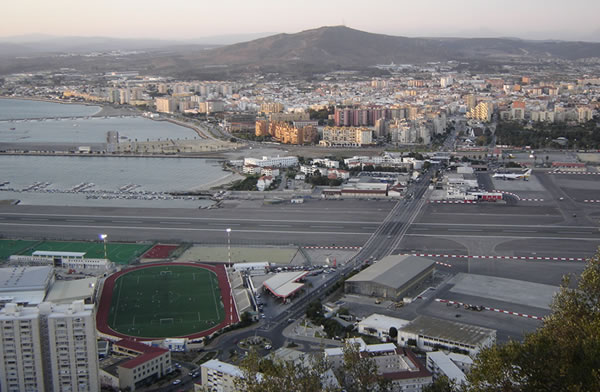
(393,271)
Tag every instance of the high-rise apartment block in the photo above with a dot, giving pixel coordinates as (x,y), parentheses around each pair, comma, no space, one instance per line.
(482,112)
(346,136)
(166,105)
(48,348)
(271,107)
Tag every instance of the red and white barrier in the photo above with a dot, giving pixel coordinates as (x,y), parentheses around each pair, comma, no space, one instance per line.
(452,201)
(444,264)
(333,247)
(491,309)
(591,201)
(448,256)
(578,173)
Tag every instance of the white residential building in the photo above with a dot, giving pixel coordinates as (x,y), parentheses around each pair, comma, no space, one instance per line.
(379,325)
(264,182)
(272,161)
(398,365)
(440,364)
(219,376)
(48,348)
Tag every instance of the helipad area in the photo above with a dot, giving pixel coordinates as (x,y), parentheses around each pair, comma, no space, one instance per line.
(284,284)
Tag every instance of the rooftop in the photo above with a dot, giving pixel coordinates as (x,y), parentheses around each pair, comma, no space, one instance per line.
(215,364)
(449,368)
(382,322)
(25,278)
(146,352)
(69,290)
(394,271)
(284,284)
(57,253)
(451,331)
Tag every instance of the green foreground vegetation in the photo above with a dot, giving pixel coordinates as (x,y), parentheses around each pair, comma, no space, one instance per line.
(166,301)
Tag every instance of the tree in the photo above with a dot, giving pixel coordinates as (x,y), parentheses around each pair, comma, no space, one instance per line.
(359,374)
(562,355)
(265,375)
(441,384)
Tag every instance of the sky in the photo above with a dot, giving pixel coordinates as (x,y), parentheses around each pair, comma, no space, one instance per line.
(189,19)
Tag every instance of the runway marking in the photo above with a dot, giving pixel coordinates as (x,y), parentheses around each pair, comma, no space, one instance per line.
(453,256)
(522,231)
(125,221)
(276,225)
(458,229)
(446,301)
(175,223)
(501,236)
(225,224)
(34,219)
(326,227)
(79,220)
(500,225)
(180,229)
(190,218)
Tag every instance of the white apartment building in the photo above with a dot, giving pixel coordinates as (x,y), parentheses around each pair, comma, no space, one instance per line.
(49,348)
(219,376)
(440,364)
(346,136)
(72,347)
(272,161)
(398,365)
(21,367)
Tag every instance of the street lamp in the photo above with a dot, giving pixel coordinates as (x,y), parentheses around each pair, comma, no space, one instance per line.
(228,230)
(103,237)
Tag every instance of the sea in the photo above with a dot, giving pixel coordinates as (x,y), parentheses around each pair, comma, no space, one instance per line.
(95,181)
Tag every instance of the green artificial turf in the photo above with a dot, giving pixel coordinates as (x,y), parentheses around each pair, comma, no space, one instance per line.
(14,247)
(117,253)
(166,301)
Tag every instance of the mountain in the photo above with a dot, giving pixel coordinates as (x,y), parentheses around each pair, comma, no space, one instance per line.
(340,47)
(312,51)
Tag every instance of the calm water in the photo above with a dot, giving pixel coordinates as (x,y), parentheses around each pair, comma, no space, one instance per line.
(23,109)
(94,181)
(58,177)
(90,130)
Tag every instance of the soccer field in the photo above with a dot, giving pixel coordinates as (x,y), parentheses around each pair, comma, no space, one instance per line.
(166,301)
(116,252)
(14,247)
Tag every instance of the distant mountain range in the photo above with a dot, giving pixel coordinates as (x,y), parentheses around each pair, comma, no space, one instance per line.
(317,50)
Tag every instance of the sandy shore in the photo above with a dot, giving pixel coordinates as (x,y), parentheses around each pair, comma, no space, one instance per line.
(219,182)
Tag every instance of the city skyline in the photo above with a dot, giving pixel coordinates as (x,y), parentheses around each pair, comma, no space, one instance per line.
(186,21)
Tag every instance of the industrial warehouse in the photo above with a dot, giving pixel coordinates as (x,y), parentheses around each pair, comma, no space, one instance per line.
(392,277)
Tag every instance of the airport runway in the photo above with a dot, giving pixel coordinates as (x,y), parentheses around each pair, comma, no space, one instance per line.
(313,223)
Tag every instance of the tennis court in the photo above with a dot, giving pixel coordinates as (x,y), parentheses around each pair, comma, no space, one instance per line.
(166,301)
(14,247)
(118,253)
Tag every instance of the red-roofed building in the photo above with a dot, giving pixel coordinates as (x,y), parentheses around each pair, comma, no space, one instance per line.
(147,363)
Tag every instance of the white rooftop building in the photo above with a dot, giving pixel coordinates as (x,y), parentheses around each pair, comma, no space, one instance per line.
(25,285)
(379,325)
(440,364)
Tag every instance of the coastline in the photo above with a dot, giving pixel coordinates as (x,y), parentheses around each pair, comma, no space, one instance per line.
(227,179)
(58,101)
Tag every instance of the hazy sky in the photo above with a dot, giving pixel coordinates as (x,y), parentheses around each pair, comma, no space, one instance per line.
(183,19)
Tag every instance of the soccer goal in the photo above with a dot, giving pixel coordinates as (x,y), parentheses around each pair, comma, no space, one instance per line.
(166,274)
(166,321)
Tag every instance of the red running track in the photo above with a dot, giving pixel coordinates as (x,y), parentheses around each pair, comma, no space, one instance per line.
(109,284)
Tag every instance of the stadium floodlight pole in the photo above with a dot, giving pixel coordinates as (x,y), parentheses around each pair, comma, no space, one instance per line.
(104,237)
(228,230)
